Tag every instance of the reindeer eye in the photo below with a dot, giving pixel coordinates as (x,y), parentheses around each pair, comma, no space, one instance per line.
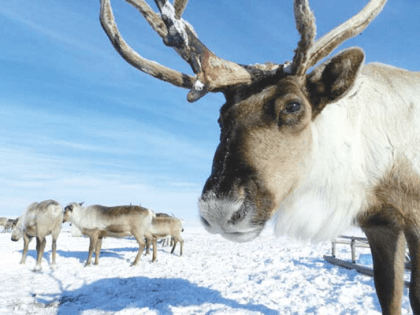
(292,107)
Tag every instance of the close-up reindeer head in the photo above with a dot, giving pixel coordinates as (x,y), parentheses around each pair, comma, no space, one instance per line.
(266,141)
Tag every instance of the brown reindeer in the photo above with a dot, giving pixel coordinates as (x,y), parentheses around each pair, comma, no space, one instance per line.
(97,222)
(164,226)
(321,150)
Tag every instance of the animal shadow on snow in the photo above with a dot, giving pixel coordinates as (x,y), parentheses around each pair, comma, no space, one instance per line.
(33,254)
(109,252)
(116,294)
(82,255)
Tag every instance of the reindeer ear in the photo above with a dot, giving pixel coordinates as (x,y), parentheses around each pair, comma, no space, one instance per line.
(331,80)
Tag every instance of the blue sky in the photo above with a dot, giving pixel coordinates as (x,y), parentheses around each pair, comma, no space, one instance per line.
(78,123)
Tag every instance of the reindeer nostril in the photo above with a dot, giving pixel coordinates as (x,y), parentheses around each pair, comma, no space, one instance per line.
(205,222)
(238,216)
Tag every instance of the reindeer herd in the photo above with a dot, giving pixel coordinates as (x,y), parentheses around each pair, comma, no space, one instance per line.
(96,222)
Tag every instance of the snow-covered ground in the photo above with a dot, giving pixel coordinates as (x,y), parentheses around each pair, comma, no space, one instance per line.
(214,276)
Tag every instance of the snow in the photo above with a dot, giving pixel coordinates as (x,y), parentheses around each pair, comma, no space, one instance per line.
(214,276)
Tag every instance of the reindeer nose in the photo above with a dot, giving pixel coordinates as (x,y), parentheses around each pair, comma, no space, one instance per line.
(238,216)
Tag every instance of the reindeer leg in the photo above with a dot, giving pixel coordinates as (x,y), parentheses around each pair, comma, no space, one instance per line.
(177,239)
(154,240)
(54,237)
(413,241)
(53,252)
(40,247)
(173,247)
(388,247)
(140,240)
(181,244)
(26,240)
(98,250)
(147,247)
(92,245)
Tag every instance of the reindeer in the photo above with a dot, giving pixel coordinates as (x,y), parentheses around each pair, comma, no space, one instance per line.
(97,222)
(318,150)
(39,220)
(164,226)
(167,240)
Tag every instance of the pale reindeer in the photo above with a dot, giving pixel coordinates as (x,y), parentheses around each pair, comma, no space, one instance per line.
(323,150)
(39,220)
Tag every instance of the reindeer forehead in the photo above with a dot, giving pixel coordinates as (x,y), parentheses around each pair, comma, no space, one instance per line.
(260,103)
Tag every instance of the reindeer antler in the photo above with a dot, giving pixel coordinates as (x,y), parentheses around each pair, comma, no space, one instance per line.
(212,73)
(309,53)
(305,24)
(132,57)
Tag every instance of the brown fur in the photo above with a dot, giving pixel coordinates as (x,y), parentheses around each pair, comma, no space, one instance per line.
(392,220)
(264,145)
(331,80)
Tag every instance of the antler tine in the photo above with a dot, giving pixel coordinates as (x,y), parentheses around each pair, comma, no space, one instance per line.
(150,67)
(179,6)
(352,27)
(151,17)
(305,24)
(213,74)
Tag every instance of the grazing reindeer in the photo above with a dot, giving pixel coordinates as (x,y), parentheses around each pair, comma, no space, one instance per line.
(39,220)
(321,150)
